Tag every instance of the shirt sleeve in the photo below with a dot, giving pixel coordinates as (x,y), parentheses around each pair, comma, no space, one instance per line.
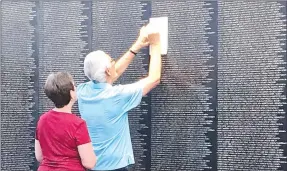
(132,95)
(36,131)
(82,135)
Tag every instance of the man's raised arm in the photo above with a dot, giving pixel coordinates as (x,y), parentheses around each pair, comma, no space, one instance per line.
(154,74)
(123,62)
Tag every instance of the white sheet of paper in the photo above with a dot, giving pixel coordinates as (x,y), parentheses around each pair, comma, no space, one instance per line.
(161,23)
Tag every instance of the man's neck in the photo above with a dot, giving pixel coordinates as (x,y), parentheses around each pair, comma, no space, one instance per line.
(65,109)
(109,81)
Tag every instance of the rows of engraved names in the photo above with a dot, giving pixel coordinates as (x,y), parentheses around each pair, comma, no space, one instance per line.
(249,95)
(179,104)
(61,44)
(17,67)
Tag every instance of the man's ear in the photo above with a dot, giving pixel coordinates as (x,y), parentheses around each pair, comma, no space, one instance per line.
(108,72)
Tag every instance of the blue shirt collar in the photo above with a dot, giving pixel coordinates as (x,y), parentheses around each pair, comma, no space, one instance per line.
(98,85)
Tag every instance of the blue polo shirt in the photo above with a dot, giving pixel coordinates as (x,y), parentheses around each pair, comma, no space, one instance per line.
(104,108)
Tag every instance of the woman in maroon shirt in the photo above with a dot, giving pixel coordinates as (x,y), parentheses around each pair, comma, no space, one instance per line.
(62,139)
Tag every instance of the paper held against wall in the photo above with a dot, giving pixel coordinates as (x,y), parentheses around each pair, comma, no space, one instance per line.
(161,24)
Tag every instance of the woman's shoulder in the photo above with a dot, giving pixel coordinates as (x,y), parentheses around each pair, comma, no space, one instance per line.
(77,119)
(61,118)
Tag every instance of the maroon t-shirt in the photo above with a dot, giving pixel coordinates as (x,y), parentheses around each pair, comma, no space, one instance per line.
(59,135)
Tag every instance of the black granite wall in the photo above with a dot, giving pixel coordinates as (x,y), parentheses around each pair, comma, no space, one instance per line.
(221,104)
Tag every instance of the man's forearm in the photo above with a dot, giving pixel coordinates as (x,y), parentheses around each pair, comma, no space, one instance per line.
(154,74)
(155,62)
(123,62)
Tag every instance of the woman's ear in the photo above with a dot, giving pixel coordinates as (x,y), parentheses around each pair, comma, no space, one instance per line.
(73,94)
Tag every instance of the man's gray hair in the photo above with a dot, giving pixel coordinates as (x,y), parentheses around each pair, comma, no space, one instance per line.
(95,66)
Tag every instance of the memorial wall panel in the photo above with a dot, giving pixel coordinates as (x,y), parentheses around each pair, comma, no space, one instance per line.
(18,84)
(116,25)
(64,42)
(183,106)
(251,85)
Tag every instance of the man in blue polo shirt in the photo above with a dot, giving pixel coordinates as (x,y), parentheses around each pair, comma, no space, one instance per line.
(104,107)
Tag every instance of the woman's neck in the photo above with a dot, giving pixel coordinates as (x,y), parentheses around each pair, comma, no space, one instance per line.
(65,109)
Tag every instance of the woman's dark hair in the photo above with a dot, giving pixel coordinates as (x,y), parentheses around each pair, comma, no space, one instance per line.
(57,88)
